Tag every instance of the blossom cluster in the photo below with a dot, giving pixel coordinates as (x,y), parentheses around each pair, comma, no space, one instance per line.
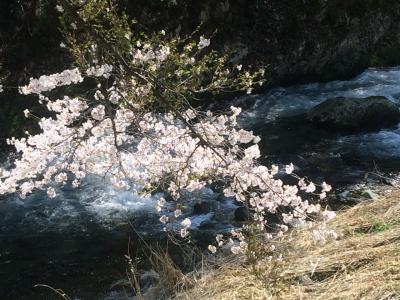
(203,43)
(110,134)
(100,71)
(182,152)
(146,52)
(47,83)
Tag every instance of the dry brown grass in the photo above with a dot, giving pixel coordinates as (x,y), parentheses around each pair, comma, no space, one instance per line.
(364,263)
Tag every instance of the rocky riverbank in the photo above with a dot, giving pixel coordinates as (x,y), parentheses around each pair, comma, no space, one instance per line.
(297,41)
(362,263)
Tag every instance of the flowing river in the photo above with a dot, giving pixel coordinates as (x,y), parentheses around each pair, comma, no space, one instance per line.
(77,241)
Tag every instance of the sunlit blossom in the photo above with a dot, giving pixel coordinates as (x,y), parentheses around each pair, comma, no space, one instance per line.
(203,43)
(139,151)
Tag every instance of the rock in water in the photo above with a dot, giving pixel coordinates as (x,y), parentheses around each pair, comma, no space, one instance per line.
(242,214)
(355,114)
(201,208)
(370,195)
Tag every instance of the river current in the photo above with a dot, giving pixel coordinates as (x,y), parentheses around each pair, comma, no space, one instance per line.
(78,240)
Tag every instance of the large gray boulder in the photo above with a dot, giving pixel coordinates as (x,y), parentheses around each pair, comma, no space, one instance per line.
(355,114)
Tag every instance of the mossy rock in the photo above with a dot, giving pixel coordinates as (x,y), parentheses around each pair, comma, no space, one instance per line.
(355,114)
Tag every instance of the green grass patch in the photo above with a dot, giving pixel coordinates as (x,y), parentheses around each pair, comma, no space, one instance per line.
(376,226)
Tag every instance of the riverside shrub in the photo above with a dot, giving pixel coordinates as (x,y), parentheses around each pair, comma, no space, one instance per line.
(136,128)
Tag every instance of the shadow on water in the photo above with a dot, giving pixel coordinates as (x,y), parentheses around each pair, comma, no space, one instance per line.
(77,244)
(68,259)
(78,253)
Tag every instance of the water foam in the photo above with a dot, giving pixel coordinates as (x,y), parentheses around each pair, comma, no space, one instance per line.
(289,101)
